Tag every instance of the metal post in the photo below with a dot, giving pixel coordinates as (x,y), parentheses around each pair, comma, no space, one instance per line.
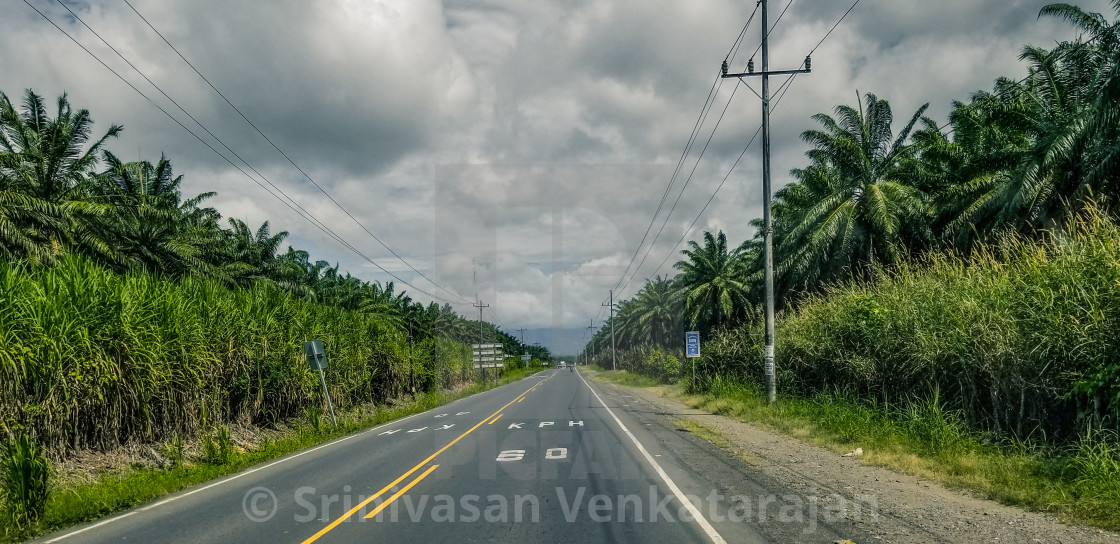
(327,395)
(480,306)
(411,372)
(591,343)
(767,223)
(611,304)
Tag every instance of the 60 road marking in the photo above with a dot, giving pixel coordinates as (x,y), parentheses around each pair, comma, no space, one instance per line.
(362,504)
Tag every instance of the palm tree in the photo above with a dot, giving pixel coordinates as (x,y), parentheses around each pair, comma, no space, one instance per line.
(48,161)
(855,204)
(657,312)
(149,225)
(713,281)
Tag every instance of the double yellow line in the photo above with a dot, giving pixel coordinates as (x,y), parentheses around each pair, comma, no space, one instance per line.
(491,418)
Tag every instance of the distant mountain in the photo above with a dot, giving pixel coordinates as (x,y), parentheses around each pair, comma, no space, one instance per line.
(560,342)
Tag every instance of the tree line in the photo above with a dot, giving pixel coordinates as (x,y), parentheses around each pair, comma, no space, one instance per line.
(1018,160)
(62,192)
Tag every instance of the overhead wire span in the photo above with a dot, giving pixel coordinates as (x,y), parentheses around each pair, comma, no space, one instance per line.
(287,157)
(708,101)
(779,95)
(303,214)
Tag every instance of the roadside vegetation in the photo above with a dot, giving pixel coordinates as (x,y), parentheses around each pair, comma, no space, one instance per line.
(131,313)
(948,295)
(213,455)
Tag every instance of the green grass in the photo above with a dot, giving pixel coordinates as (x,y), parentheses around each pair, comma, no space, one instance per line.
(112,492)
(623,377)
(1019,338)
(1079,483)
(715,437)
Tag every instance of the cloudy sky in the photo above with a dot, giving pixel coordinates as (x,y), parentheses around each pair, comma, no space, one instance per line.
(513,150)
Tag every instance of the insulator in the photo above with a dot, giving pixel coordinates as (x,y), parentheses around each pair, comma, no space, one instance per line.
(723,69)
(808,62)
(750,66)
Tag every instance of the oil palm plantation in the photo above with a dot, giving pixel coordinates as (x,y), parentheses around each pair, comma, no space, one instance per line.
(48,161)
(150,226)
(713,281)
(855,204)
(656,314)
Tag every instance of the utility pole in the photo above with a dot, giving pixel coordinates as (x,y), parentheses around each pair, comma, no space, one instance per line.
(524,348)
(411,373)
(612,329)
(480,306)
(767,224)
(590,343)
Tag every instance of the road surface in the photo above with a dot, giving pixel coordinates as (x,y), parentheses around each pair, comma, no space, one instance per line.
(552,458)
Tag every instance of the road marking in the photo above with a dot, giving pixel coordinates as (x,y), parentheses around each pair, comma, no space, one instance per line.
(233,477)
(695,512)
(495,419)
(403,490)
(362,504)
(511,455)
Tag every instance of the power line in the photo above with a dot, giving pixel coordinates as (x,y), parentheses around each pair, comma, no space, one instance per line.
(708,101)
(780,94)
(285,155)
(683,187)
(305,215)
(185,112)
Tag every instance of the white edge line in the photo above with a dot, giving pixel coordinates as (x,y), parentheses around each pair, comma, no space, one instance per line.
(245,473)
(695,512)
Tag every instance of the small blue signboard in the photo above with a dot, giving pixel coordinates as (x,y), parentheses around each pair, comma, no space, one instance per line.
(692,344)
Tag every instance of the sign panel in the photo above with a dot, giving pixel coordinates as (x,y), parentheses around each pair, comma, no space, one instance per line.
(526,357)
(316,357)
(692,344)
(485,346)
(487,359)
(489,365)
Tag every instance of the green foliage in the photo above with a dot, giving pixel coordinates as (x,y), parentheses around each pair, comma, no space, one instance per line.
(92,358)
(217,447)
(649,361)
(174,449)
(1018,339)
(1080,481)
(24,479)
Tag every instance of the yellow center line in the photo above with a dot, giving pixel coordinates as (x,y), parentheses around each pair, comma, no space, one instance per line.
(520,399)
(403,490)
(362,504)
(495,419)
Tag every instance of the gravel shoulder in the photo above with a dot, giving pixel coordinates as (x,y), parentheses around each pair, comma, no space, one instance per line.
(909,509)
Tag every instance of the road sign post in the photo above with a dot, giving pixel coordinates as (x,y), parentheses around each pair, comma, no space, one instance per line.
(487,353)
(317,359)
(692,350)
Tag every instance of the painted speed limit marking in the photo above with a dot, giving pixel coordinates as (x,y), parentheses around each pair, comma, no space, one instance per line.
(517,455)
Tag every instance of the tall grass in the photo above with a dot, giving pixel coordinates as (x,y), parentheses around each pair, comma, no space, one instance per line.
(24,479)
(90,358)
(1020,339)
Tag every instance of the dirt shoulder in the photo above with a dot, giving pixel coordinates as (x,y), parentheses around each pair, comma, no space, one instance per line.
(910,509)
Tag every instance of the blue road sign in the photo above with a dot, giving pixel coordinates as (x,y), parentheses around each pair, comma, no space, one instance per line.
(692,344)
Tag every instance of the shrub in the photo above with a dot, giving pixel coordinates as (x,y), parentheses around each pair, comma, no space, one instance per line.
(24,480)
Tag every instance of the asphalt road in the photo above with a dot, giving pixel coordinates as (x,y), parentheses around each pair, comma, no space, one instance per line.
(551,458)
